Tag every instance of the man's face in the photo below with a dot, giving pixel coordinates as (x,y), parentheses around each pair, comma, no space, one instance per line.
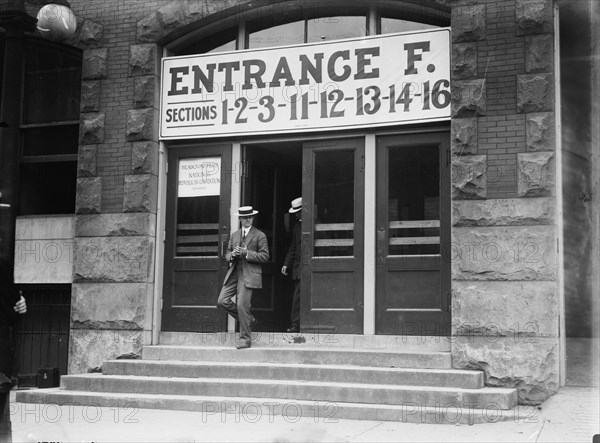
(299,215)
(246,221)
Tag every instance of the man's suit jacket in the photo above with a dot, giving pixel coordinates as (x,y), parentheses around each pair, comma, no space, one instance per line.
(258,252)
(294,254)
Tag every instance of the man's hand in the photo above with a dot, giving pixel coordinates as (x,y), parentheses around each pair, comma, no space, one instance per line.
(238,251)
(284,270)
(20,307)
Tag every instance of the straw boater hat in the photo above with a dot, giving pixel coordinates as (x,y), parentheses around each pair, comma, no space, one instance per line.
(296,205)
(246,211)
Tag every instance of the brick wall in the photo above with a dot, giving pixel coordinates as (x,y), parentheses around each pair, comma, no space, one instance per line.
(119,22)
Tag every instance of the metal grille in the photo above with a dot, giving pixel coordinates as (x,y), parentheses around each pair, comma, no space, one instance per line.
(42,335)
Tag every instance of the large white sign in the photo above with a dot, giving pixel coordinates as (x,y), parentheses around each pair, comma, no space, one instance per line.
(371,81)
(199,177)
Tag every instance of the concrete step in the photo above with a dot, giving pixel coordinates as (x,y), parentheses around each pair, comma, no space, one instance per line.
(302,355)
(383,394)
(252,409)
(291,371)
(326,340)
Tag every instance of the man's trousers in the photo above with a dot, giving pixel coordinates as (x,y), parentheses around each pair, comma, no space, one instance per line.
(234,286)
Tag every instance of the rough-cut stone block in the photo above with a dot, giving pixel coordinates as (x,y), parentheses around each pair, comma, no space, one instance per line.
(89,348)
(540,131)
(172,16)
(464,60)
(91,34)
(113,225)
(464,136)
(504,212)
(534,17)
(141,124)
(91,129)
(197,10)
(111,305)
(504,253)
(522,310)
(469,177)
(113,260)
(468,98)
(468,23)
(145,92)
(531,366)
(535,93)
(539,53)
(144,158)
(89,195)
(90,96)
(149,29)
(535,174)
(143,60)
(95,64)
(86,162)
(140,193)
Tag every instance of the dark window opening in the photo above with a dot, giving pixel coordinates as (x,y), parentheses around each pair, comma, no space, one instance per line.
(49,128)
(48,188)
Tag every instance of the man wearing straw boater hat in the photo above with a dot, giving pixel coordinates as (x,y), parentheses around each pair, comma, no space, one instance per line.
(247,249)
(292,259)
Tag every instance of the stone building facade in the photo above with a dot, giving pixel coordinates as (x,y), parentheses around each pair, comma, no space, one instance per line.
(507,296)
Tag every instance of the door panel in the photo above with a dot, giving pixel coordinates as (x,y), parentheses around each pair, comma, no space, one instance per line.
(413,234)
(332,236)
(197,225)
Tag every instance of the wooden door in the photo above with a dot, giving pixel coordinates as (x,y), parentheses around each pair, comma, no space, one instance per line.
(332,236)
(197,229)
(413,235)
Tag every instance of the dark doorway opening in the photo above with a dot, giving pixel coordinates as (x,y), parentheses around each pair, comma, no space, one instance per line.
(272,178)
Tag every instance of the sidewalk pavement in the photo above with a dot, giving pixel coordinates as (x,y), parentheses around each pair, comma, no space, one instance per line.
(572,415)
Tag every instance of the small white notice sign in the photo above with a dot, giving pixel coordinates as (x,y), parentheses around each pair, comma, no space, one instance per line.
(199,177)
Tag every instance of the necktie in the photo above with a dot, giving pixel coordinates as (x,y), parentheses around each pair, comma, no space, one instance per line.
(243,235)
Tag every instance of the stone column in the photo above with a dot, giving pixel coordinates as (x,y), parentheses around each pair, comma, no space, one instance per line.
(504,257)
(113,277)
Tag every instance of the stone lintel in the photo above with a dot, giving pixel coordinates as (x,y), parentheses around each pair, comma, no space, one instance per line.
(507,253)
(504,212)
(115,225)
(114,260)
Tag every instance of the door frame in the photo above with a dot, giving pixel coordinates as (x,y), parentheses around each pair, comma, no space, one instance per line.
(195,150)
(235,183)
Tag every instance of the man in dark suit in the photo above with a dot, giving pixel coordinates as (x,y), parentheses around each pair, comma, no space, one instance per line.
(293,259)
(247,249)
(12,304)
